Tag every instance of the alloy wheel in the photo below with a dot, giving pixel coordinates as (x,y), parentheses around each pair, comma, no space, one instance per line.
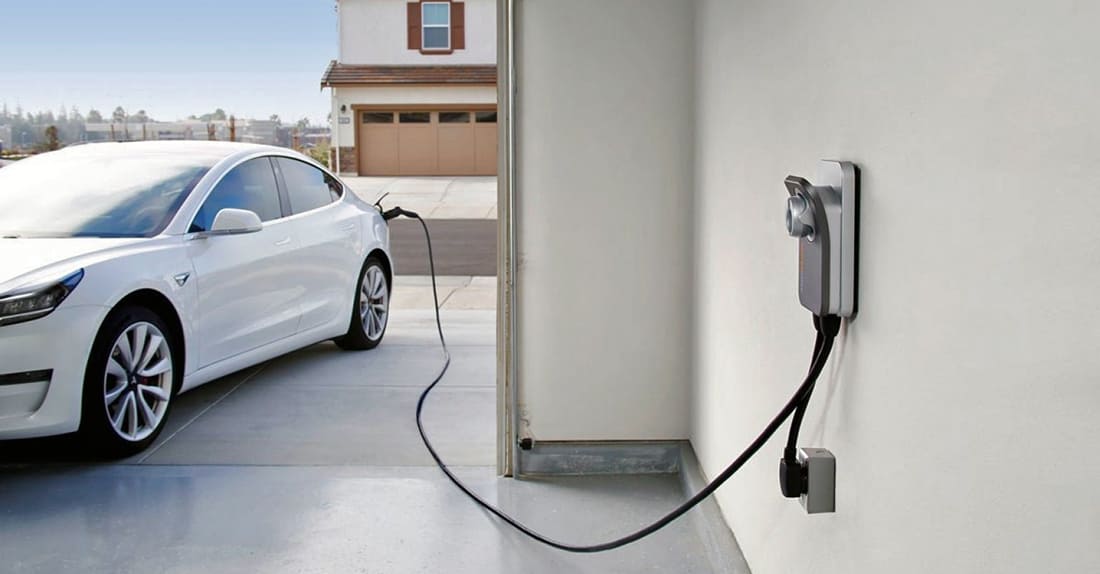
(374,301)
(138,383)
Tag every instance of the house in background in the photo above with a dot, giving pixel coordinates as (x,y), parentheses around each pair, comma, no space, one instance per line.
(252,131)
(414,88)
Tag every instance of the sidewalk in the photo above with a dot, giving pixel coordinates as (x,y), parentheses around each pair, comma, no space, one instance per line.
(432,197)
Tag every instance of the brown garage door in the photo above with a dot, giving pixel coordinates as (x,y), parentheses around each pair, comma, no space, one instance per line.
(413,142)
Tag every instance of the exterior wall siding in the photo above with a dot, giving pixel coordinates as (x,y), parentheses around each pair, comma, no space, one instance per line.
(374,32)
(349,159)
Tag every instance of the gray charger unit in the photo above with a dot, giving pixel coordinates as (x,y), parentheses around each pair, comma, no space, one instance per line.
(824,216)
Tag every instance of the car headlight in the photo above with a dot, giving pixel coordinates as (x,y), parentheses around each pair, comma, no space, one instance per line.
(37,302)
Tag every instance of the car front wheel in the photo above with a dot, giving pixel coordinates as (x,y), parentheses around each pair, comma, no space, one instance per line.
(131,379)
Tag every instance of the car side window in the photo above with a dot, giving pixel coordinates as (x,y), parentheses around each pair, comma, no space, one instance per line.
(308,187)
(250,186)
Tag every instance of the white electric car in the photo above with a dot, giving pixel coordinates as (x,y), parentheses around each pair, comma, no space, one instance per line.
(130,272)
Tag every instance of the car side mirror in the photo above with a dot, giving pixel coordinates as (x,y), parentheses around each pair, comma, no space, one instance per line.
(235,222)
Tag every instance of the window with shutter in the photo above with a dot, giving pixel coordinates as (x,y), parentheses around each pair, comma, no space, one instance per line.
(436,27)
(435,23)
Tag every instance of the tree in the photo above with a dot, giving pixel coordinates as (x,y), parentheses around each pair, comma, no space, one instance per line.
(94,117)
(75,130)
(141,117)
(275,118)
(52,141)
(119,115)
(321,153)
(303,123)
(219,115)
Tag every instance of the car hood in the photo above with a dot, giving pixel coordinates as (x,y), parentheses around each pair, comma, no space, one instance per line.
(26,261)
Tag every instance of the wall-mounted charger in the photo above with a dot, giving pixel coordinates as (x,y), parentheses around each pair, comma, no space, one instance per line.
(823,216)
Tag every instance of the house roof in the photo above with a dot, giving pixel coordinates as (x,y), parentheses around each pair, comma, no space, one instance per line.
(339,74)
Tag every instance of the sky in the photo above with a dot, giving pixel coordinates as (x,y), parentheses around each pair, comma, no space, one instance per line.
(171,58)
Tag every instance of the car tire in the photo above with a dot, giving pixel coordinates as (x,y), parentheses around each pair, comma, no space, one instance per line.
(371,312)
(133,374)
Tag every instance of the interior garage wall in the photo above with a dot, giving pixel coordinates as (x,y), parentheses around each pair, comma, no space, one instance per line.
(963,402)
(603,216)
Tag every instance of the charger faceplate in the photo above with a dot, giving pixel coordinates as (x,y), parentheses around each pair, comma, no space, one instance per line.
(823,215)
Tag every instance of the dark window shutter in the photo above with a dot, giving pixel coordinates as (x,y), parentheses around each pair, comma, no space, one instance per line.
(413,20)
(458,25)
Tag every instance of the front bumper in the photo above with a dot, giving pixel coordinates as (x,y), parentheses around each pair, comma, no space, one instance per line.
(32,403)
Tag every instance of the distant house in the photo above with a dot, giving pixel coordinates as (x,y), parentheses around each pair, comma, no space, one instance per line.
(131,131)
(414,87)
(252,131)
(258,131)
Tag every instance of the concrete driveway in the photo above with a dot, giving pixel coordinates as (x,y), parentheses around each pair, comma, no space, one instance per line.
(462,213)
(321,405)
(312,463)
(432,197)
(461,246)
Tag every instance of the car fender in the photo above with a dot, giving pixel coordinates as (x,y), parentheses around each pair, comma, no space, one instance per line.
(161,266)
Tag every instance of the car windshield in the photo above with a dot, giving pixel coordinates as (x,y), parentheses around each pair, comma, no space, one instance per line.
(87,194)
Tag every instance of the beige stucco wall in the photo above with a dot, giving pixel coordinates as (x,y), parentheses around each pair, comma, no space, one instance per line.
(374,32)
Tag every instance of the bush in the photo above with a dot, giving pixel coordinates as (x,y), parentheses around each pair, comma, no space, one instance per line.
(320,154)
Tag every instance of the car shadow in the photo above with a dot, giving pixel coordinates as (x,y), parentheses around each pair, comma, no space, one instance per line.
(63,449)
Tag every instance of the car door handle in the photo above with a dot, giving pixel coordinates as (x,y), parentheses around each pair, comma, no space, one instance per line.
(282,242)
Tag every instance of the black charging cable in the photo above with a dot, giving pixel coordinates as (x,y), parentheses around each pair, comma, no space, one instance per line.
(827,326)
(793,478)
(822,348)
(800,411)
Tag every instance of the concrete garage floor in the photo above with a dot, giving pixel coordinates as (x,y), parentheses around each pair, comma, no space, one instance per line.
(311,463)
